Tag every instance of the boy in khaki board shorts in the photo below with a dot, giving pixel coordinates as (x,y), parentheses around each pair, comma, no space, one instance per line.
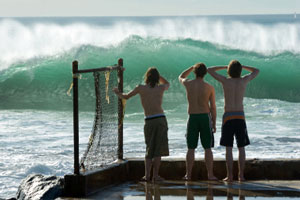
(234,123)
(201,108)
(156,126)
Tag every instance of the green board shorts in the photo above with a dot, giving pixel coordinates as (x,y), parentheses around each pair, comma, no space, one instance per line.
(199,123)
(156,137)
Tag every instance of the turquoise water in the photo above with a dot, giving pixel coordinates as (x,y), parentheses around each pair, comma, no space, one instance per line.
(35,75)
(36,54)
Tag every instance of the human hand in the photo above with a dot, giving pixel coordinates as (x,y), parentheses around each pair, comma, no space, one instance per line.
(214,128)
(116,90)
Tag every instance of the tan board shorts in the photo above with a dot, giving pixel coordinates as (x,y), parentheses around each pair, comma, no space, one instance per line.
(156,137)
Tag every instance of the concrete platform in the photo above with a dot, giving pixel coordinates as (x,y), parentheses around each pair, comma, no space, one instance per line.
(199,189)
(125,176)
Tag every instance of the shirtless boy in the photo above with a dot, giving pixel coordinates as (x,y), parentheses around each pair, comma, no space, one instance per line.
(201,108)
(156,127)
(234,119)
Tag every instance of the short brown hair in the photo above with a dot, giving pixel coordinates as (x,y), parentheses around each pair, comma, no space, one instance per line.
(234,69)
(151,76)
(200,70)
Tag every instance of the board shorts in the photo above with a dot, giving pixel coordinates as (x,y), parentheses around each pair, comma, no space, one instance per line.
(199,123)
(234,125)
(156,137)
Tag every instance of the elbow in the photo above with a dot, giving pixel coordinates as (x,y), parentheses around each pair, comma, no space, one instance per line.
(256,72)
(180,78)
(125,97)
(168,85)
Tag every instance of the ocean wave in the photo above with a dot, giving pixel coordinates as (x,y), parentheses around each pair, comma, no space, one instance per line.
(39,169)
(43,82)
(21,41)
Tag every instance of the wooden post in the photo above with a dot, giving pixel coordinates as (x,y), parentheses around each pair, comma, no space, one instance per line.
(120,111)
(75,117)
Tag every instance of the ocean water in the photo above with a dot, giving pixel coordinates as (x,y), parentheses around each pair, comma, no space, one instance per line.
(36,124)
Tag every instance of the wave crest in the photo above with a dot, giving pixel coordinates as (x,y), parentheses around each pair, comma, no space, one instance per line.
(21,41)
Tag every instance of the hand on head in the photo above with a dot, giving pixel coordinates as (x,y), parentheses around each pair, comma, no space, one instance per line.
(116,90)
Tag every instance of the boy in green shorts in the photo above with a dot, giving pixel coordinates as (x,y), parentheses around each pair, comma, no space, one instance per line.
(202,117)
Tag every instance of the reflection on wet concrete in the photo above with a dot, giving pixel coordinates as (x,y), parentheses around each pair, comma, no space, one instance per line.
(168,190)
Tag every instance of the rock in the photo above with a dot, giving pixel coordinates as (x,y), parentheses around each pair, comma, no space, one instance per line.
(37,186)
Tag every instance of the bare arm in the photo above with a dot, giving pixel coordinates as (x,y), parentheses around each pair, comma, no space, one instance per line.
(253,74)
(184,74)
(164,82)
(212,107)
(213,73)
(126,95)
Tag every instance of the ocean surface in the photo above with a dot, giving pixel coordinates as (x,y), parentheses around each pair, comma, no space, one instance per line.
(36,119)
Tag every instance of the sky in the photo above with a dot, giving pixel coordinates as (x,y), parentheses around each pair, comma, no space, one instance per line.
(21,8)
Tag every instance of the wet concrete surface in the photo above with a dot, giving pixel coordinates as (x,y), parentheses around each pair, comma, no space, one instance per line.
(261,189)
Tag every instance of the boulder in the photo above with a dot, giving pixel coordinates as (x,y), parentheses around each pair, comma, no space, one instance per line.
(37,186)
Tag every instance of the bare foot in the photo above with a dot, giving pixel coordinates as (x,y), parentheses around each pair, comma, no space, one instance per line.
(186,178)
(212,178)
(227,179)
(144,179)
(241,179)
(157,178)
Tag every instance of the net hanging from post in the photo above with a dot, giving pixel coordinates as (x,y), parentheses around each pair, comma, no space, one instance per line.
(102,148)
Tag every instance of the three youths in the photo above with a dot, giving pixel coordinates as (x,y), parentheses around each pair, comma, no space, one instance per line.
(202,116)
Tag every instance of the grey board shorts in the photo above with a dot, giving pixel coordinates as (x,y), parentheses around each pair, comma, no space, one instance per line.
(156,137)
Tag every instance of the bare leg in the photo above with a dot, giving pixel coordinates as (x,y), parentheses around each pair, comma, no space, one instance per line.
(190,157)
(148,165)
(156,164)
(242,158)
(209,164)
(229,164)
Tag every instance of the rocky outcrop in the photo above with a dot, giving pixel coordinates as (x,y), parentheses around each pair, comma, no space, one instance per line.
(37,186)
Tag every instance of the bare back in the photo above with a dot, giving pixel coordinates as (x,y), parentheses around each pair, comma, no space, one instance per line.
(234,90)
(151,98)
(198,94)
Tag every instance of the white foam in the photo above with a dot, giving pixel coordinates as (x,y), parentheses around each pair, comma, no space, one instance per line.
(21,42)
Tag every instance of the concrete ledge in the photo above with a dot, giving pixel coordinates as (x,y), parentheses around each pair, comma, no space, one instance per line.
(93,181)
(174,169)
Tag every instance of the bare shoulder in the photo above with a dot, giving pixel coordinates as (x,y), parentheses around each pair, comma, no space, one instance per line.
(139,87)
(228,80)
(185,81)
(163,86)
(209,86)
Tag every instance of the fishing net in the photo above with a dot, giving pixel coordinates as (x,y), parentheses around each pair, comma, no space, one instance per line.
(102,148)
